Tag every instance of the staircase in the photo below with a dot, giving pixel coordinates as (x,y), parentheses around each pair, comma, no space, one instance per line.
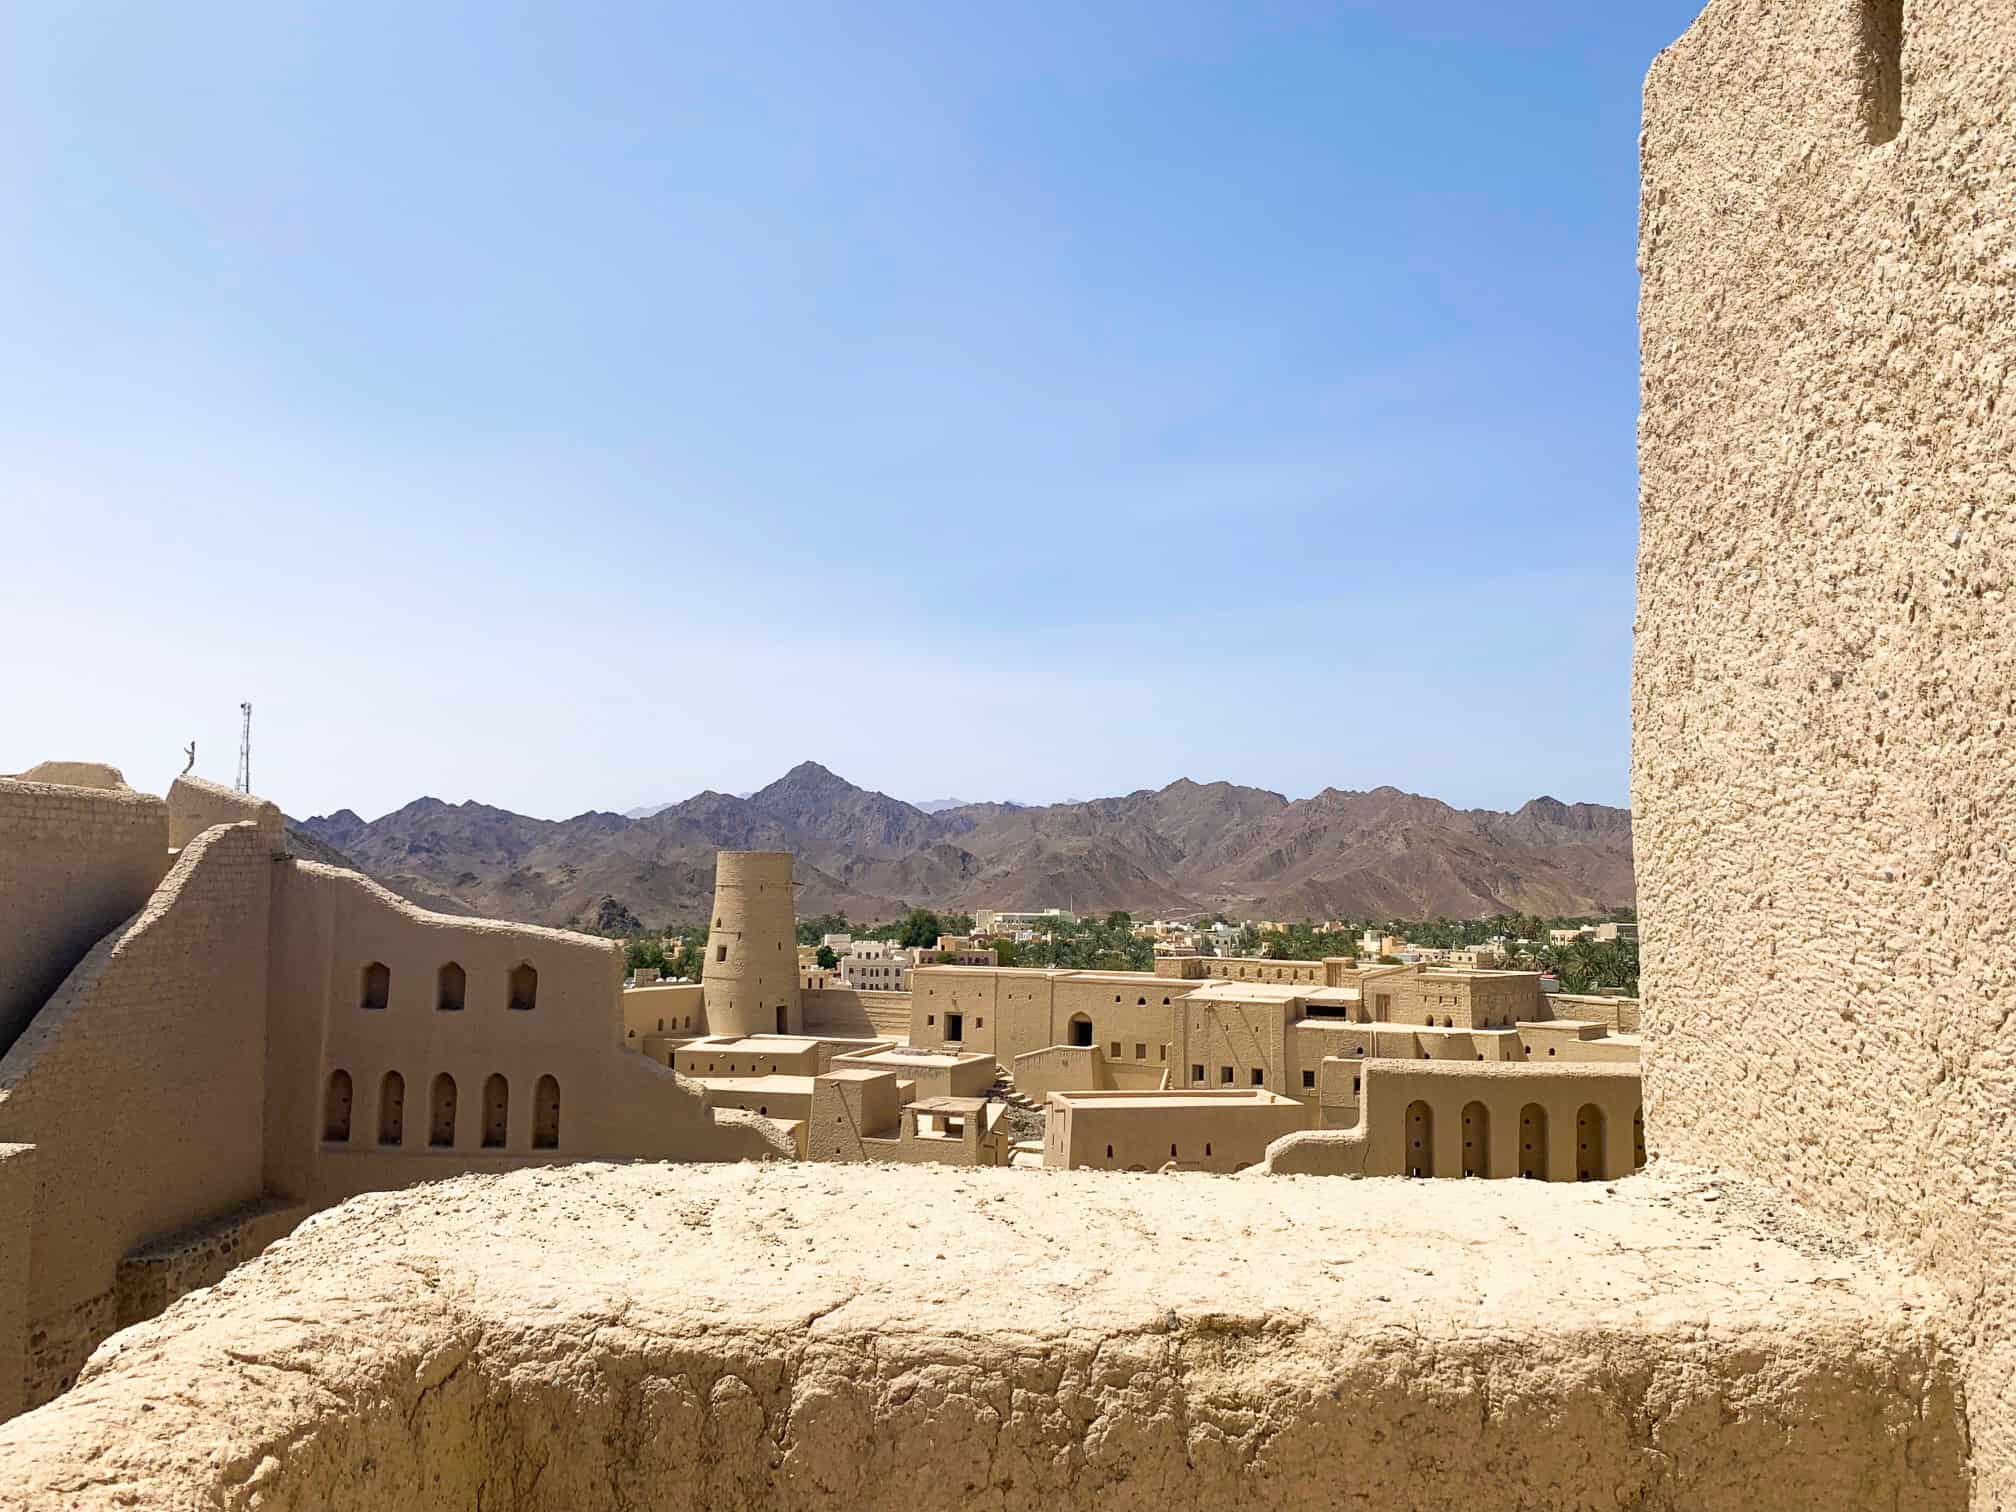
(1003,1090)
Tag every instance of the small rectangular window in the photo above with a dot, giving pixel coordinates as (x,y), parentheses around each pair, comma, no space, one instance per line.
(1116,1051)
(1882,70)
(720,953)
(1259,1077)
(1308,1079)
(1225,1075)
(1140,1051)
(1196,1073)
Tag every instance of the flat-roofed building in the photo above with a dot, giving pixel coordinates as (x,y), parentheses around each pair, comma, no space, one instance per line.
(724,1055)
(934,1073)
(1209,1130)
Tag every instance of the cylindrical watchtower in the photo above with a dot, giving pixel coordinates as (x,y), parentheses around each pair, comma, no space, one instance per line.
(750,980)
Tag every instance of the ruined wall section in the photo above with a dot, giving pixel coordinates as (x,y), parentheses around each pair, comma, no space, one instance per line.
(1824,761)
(76,862)
(141,1086)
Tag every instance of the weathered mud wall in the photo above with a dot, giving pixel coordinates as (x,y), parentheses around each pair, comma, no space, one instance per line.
(1825,731)
(789,1336)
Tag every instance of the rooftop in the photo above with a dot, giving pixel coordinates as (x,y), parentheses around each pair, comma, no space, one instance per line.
(1155,1097)
(755,1044)
(1251,992)
(910,1056)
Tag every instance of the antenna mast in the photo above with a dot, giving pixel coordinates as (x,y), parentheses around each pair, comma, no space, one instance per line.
(245,750)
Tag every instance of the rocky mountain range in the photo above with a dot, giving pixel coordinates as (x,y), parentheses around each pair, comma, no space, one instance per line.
(1182,848)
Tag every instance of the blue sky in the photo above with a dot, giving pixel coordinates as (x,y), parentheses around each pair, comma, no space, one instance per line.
(577,406)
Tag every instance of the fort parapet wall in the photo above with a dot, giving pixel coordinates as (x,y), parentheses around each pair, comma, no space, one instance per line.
(81,860)
(1824,741)
(195,805)
(1180,1341)
(140,1085)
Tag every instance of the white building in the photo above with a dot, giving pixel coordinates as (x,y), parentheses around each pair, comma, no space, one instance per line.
(882,969)
(1008,920)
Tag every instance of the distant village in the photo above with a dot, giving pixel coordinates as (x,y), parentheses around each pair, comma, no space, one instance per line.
(1046,1038)
(1573,954)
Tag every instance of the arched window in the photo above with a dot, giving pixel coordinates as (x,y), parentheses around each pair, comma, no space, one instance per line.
(1533,1142)
(392,1109)
(524,987)
(1476,1139)
(336,1108)
(1589,1143)
(1081,1030)
(376,991)
(441,1126)
(451,983)
(546,1114)
(1420,1140)
(496,1111)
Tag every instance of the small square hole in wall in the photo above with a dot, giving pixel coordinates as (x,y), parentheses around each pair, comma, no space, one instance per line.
(1881,66)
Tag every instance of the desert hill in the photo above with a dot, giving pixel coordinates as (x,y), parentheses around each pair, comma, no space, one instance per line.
(1185,847)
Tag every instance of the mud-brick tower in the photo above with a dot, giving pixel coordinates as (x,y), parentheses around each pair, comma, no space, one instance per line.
(750,981)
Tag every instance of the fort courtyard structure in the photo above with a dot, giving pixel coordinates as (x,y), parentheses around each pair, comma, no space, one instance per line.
(1806,1301)
(204,1039)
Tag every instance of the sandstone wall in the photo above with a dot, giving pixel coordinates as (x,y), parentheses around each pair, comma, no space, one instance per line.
(806,1336)
(1259,969)
(674,1008)
(845,1013)
(195,805)
(1824,732)
(333,927)
(1492,1121)
(17,1203)
(140,1085)
(1246,1040)
(157,1273)
(75,863)
(84,774)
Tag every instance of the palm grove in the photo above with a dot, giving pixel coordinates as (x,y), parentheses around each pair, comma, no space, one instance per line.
(1110,943)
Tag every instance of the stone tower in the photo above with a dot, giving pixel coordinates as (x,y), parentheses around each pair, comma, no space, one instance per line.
(750,981)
